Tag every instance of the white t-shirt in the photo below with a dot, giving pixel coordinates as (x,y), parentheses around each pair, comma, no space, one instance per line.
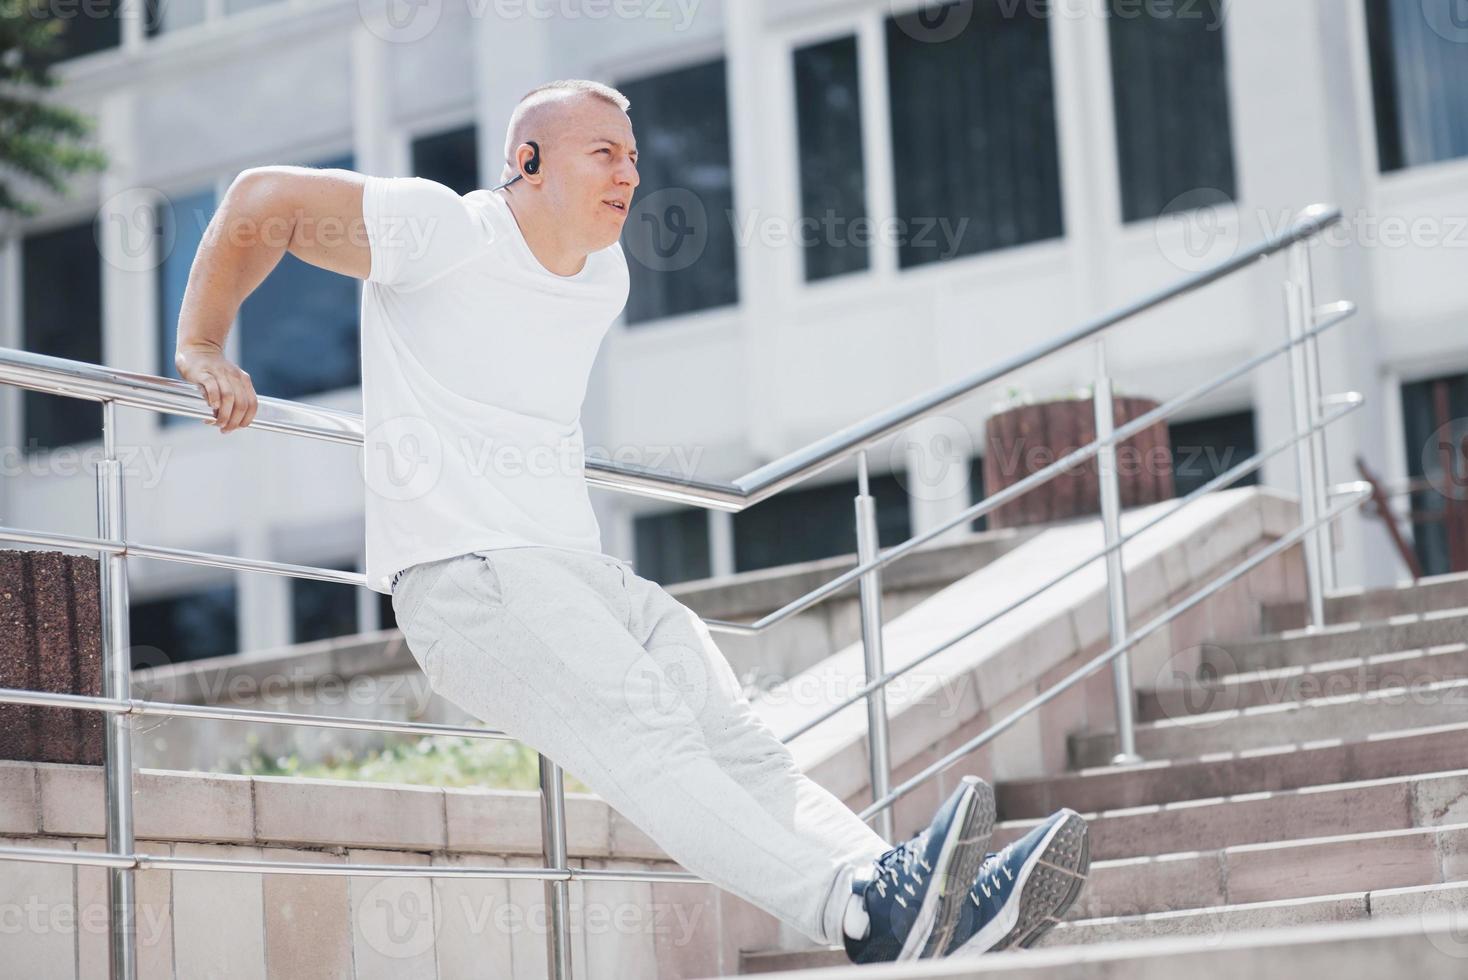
(475,361)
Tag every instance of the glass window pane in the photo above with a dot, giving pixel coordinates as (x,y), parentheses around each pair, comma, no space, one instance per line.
(170,15)
(323,609)
(87,26)
(977,167)
(449,158)
(61,315)
(673,546)
(1419,68)
(187,216)
(678,237)
(1422,420)
(816,522)
(976,492)
(1170,89)
(184,627)
(387,617)
(1204,448)
(299,329)
(832,174)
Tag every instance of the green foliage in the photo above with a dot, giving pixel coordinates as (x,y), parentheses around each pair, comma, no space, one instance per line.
(431,760)
(39,138)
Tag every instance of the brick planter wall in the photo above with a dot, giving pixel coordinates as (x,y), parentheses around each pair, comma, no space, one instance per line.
(1028,438)
(50,640)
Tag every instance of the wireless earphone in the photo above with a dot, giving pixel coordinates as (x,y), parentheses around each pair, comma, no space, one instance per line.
(532,166)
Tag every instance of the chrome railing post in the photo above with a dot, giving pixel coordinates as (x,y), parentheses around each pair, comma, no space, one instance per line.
(1301,272)
(1309,478)
(871,641)
(557,891)
(117,762)
(1110,488)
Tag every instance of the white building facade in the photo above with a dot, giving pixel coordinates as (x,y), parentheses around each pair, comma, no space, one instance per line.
(844,204)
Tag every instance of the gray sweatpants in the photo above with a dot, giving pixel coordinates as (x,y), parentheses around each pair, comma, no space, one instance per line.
(606,674)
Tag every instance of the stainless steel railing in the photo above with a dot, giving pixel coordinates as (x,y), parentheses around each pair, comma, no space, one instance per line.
(112,388)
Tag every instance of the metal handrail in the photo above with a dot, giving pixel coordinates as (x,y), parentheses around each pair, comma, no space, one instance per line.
(79,379)
(1223,479)
(111,388)
(1357,491)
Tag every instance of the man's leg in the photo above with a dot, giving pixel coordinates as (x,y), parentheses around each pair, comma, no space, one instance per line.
(534,641)
(742,743)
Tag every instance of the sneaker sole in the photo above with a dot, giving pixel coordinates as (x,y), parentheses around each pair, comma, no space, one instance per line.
(963,854)
(1048,885)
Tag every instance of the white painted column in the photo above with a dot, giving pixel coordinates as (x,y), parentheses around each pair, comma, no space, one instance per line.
(1290,154)
(758,200)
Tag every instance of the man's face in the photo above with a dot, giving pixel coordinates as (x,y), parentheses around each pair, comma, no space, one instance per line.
(591,171)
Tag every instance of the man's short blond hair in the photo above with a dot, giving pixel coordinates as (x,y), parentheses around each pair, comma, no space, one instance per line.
(517,130)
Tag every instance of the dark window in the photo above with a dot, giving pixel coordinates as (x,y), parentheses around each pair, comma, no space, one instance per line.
(678,237)
(299,331)
(87,26)
(816,522)
(387,617)
(1419,77)
(1424,432)
(450,158)
(1170,89)
(170,15)
(673,546)
(322,609)
(973,129)
(186,218)
(832,175)
(976,492)
(61,315)
(1204,448)
(184,627)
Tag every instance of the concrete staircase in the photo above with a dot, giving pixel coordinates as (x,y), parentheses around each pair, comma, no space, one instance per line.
(1300,779)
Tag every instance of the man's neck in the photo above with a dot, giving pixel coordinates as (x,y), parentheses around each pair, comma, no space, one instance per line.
(557,256)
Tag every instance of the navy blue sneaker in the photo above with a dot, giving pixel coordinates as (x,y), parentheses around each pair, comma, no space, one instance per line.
(912,893)
(1024,889)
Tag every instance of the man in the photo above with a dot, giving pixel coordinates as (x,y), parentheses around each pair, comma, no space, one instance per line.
(481,317)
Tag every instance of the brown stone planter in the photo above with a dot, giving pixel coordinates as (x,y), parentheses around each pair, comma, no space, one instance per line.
(1028,438)
(50,640)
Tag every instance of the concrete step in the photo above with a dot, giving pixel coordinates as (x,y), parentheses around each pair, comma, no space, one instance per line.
(1371,605)
(1414,931)
(1337,642)
(1246,873)
(1403,669)
(1296,722)
(1393,803)
(1215,922)
(1372,756)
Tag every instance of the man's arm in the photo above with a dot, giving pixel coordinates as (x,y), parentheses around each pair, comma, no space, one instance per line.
(316,215)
